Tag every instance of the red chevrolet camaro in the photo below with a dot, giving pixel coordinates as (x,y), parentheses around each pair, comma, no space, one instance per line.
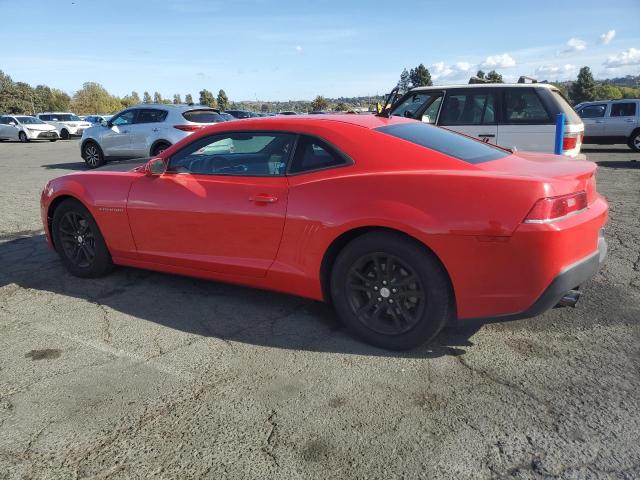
(400,225)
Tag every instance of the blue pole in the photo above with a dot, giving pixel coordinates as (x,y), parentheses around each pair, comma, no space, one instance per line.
(559,133)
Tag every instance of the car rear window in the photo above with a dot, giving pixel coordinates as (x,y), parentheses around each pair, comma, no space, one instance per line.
(203,116)
(445,141)
(569,113)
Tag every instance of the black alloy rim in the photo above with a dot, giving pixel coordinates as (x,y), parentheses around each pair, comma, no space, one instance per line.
(78,240)
(385,294)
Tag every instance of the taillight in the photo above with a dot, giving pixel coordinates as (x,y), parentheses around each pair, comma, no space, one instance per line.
(555,208)
(570,140)
(188,128)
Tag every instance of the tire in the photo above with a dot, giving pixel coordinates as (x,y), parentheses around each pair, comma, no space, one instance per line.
(54,140)
(64,134)
(79,242)
(159,148)
(92,155)
(634,141)
(23,137)
(389,317)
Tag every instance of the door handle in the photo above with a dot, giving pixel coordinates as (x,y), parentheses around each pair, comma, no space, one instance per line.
(263,198)
(629,120)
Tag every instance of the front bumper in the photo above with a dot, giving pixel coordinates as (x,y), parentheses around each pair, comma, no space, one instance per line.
(568,279)
(42,135)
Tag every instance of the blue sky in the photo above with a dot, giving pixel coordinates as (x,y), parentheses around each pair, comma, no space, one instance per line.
(279,50)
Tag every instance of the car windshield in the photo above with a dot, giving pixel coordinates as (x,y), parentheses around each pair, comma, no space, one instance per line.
(444,141)
(65,117)
(29,120)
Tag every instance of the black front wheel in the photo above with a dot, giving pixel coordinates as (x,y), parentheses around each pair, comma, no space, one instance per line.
(64,134)
(92,155)
(23,137)
(159,148)
(78,240)
(390,291)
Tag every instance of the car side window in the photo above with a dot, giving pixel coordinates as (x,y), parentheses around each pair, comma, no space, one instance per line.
(251,154)
(476,108)
(4,121)
(593,111)
(125,118)
(45,118)
(623,109)
(524,106)
(151,115)
(314,154)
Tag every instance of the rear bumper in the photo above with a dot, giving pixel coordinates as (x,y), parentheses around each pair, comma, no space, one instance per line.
(569,278)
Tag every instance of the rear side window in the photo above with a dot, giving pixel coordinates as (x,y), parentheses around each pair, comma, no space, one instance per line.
(151,115)
(524,106)
(593,111)
(623,109)
(45,117)
(444,141)
(314,154)
(472,108)
(203,116)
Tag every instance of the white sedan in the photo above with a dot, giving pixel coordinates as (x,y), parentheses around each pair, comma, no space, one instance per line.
(26,128)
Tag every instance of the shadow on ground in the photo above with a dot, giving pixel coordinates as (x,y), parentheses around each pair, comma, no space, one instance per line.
(202,307)
(616,164)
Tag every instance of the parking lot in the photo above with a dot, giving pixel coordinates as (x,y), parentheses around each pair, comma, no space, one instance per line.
(145,375)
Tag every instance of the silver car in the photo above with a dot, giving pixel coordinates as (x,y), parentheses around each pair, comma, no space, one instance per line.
(143,130)
(611,121)
(26,128)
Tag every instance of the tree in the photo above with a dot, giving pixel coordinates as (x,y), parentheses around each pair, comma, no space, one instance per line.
(480,74)
(342,107)
(129,100)
(207,98)
(146,98)
(494,77)
(93,98)
(420,77)
(177,98)
(157,98)
(135,97)
(223,100)
(319,103)
(584,88)
(405,80)
(188,98)
(607,92)
(264,108)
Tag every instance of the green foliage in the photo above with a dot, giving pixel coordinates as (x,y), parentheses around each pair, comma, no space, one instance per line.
(207,98)
(223,100)
(494,77)
(188,98)
(157,98)
(146,98)
(628,92)
(319,103)
(264,107)
(480,74)
(405,80)
(177,99)
(420,76)
(129,100)
(93,98)
(607,92)
(584,88)
(342,107)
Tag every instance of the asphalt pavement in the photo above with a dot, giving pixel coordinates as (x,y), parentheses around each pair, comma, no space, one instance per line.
(147,375)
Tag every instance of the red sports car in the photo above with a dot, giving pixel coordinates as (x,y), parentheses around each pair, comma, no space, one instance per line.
(400,225)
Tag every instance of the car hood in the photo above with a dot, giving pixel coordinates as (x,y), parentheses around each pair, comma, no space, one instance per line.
(39,127)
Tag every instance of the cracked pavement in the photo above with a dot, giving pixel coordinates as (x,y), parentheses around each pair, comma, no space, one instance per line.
(145,375)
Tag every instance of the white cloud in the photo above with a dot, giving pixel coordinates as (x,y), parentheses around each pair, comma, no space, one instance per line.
(556,70)
(607,37)
(628,57)
(441,70)
(575,45)
(298,49)
(499,61)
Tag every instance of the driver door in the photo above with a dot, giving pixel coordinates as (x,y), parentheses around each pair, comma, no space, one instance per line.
(220,206)
(116,140)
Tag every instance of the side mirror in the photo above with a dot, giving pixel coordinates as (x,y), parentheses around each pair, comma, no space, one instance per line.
(104,123)
(155,166)
(12,124)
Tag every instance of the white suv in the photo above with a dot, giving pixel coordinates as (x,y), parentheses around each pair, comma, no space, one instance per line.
(611,121)
(143,130)
(68,124)
(520,115)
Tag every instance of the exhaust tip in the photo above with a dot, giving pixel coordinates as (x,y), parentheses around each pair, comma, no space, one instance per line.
(570,299)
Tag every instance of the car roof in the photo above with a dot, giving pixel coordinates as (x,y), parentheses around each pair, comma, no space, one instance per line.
(484,85)
(616,100)
(172,106)
(290,121)
(56,113)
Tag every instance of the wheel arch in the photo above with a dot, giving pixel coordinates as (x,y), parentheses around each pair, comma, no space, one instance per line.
(55,203)
(342,240)
(89,140)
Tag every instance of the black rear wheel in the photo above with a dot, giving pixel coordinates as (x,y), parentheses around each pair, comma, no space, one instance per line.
(23,137)
(390,291)
(64,134)
(92,155)
(159,148)
(78,240)
(634,141)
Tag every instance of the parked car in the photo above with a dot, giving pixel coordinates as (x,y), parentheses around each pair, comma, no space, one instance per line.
(402,226)
(611,121)
(227,116)
(98,119)
(239,113)
(520,115)
(287,112)
(26,128)
(143,130)
(68,124)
